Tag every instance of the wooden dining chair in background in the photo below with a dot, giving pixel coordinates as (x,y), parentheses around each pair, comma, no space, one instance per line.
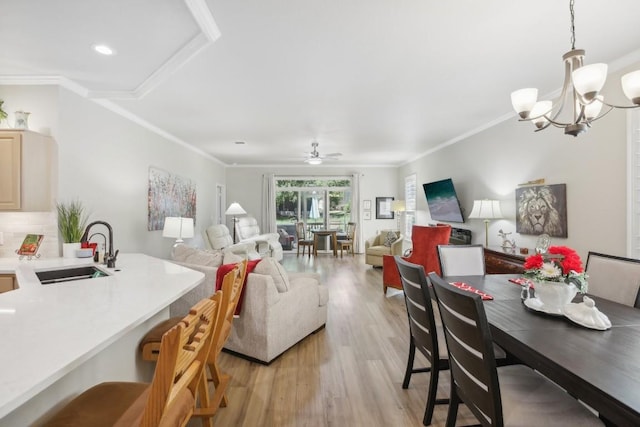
(303,241)
(425,335)
(349,242)
(520,396)
(461,260)
(614,278)
(170,398)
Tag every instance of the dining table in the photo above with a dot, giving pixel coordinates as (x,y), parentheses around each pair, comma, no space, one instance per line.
(599,367)
(333,234)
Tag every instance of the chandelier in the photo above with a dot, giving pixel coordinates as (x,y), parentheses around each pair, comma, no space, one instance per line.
(581,90)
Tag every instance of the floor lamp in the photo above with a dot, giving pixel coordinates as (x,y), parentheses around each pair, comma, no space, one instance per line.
(235,209)
(486,210)
(398,206)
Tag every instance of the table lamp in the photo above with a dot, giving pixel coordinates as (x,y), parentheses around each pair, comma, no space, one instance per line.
(486,210)
(398,206)
(177,228)
(235,209)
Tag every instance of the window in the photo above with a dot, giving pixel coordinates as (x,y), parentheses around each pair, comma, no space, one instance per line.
(410,184)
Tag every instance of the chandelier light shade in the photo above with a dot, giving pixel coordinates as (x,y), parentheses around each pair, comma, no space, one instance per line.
(580,92)
(486,210)
(234,210)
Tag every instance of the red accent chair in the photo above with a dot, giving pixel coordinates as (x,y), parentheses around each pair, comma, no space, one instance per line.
(425,240)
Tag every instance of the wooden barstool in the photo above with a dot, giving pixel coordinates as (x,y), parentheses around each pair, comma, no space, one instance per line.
(170,398)
(231,289)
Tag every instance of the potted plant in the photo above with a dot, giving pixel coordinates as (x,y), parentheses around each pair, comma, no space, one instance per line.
(72,220)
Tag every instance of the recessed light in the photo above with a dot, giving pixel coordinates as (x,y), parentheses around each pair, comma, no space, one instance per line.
(103,49)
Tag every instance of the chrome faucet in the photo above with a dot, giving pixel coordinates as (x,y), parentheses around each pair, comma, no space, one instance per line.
(109,257)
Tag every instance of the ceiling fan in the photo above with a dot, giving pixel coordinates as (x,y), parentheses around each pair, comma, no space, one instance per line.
(314,157)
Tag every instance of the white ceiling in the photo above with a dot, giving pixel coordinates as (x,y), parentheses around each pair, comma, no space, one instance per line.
(381,81)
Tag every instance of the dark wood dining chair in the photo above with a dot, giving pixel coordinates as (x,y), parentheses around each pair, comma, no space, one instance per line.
(425,335)
(509,395)
(303,241)
(349,242)
(614,278)
(461,260)
(170,398)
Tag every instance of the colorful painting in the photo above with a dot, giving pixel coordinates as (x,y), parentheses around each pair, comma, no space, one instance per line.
(169,195)
(542,209)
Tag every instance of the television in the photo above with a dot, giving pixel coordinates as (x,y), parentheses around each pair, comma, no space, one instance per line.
(443,201)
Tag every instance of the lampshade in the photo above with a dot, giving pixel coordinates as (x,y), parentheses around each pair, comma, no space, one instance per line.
(398,206)
(235,209)
(631,86)
(486,209)
(539,110)
(523,100)
(589,80)
(178,228)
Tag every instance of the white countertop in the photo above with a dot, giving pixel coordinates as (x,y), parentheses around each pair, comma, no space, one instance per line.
(47,331)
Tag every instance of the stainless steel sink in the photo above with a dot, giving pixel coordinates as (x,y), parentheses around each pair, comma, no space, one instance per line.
(48,277)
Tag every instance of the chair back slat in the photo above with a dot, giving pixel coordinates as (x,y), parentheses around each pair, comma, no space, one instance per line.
(471,356)
(614,278)
(183,352)
(419,309)
(461,260)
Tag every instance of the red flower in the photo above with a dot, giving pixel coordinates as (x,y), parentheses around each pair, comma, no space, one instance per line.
(533,262)
(570,261)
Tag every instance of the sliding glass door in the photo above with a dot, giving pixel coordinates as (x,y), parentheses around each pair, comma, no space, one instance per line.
(321,204)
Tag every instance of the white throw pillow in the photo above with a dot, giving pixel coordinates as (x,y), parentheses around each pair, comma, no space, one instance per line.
(270,267)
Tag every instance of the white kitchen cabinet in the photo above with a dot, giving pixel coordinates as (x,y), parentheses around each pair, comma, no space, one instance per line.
(28,171)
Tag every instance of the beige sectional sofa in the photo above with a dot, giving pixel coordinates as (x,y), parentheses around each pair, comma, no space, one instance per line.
(279,308)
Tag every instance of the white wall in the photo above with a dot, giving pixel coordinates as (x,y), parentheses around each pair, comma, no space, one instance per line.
(104,161)
(244,185)
(492,163)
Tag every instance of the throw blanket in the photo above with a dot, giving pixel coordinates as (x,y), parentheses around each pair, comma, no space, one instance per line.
(225,268)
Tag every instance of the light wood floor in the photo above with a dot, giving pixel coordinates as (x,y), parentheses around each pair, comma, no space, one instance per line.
(349,374)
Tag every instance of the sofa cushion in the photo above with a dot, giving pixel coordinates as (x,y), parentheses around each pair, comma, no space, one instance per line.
(270,267)
(378,250)
(184,253)
(232,258)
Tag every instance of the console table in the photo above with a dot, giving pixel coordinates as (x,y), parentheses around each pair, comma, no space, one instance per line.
(499,261)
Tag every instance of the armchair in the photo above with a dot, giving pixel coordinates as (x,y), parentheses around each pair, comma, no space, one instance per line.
(425,241)
(218,237)
(375,248)
(267,244)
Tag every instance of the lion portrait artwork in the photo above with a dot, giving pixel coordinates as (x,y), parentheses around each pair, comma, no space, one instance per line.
(542,210)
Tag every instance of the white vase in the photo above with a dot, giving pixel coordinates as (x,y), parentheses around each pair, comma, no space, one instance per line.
(555,295)
(69,249)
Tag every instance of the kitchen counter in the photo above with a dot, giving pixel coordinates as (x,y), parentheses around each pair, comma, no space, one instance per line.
(50,331)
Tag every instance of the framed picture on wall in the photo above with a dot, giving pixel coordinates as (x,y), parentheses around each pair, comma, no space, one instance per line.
(542,209)
(366,215)
(383,208)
